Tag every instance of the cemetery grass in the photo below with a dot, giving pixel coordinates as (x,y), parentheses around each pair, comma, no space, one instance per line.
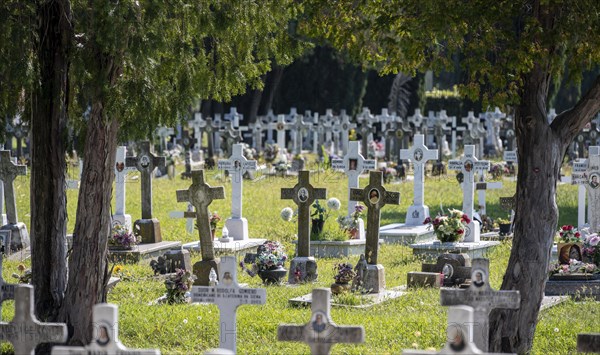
(414,320)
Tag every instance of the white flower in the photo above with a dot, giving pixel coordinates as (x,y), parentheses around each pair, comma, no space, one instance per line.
(556,330)
(287,214)
(334,204)
(184,321)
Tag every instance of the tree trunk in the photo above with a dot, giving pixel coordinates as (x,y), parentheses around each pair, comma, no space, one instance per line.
(48,195)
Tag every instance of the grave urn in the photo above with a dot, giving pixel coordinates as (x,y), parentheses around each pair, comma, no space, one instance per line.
(272,276)
(504,228)
(340,287)
(317,226)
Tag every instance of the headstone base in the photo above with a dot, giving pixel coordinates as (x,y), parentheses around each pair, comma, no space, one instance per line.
(430,251)
(123,220)
(202,271)
(142,252)
(374,278)
(472,232)
(229,248)
(400,233)
(149,230)
(237,227)
(302,269)
(179,259)
(19,235)
(577,289)
(416,215)
(369,300)
(336,248)
(424,279)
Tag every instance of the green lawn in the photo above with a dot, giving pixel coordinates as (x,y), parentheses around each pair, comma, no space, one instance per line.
(413,320)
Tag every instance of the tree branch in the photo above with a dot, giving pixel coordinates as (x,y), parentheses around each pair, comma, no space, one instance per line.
(570,122)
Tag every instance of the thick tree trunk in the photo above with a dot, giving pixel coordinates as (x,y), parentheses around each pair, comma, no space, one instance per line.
(48,122)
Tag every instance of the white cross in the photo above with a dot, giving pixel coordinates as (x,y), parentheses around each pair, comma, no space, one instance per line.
(328,123)
(366,120)
(189,215)
(268,121)
(321,333)
(237,165)
(417,120)
(105,336)
(280,126)
(228,296)
(257,129)
(345,128)
(299,127)
(353,165)
(25,331)
(418,154)
(197,124)
(121,170)
(317,127)
(455,128)
(163,133)
(481,188)
(587,174)
(234,117)
(468,165)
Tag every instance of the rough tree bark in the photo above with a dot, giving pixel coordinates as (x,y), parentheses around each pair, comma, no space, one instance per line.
(541,148)
(92,225)
(48,122)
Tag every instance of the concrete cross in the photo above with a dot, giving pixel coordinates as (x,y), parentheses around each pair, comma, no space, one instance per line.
(25,332)
(233,132)
(366,120)
(237,165)
(374,196)
(145,163)
(317,133)
(217,129)
(587,173)
(105,336)
(345,127)
(8,172)
(321,333)
(280,126)
(268,122)
(481,188)
(299,127)
(197,124)
(234,116)
(389,127)
(303,194)
(468,165)
(353,165)
(328,122)
(163,134)
(257,135)
(417,120)
(430,121)
(19,130)
(201,195)
(189,215)
(418,154)
(482,298)
(471,121)
(120,217)
(228,295)
(455,129)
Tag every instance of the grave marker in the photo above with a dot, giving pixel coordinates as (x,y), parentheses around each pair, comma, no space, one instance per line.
(237,165)
(321,333)
(482,298)
(25,332)
(8,173)
(280,126)
(145,163)
(303,194)
(482,188)
(345,128)
(228,296)
(105,336)
(455,129)
(366,120)
(587,173)
(189,215)
(163,134)
(197,124)
(120,217)
(374,196)
(298,128)
(418,154)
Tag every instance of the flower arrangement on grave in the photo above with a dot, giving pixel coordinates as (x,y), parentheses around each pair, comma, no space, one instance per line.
(178,285)
(270,152)
(451,227)
(389,174)
(24,275)
(121,237)
(344,273)
(320,214)
(574,267)
(375,149)
(569,234)
(591,247)
(350,224)
(214,220)
(268,263)
(172,156)
(497,170)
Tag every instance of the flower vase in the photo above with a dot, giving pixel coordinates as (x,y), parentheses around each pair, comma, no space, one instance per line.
(213,233)
(504,228)
(317,226)
(273,276)
(568,251)
(353,233)
(171,171)
(340,287)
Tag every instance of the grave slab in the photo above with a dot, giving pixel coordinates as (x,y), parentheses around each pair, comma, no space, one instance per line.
(235,247)
(370,299)
(431,250)
(400,233)
(142,252)
(337,248)
(576,289)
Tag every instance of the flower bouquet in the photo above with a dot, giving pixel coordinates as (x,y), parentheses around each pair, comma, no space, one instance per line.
(178,285)
(214,220)
(268,263)
(350,224)
(122,238)
(570,245)
(450,228)
(344,275)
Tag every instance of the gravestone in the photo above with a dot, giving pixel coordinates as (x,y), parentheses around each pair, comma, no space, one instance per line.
(482,186)
(418,154)
(321,333)
(440,127)
(468,165)
(105,336)
(164,133)
(328,123)
(201,195)
(25,332)
(189,215)
(281,127)
(587,173)
(455,129)
(375,197)
(508,204)
(456,268)
(237,165)
(228,295)
(317,129)
(197,124)
(233,130)
(257,129)
(303,194)
(298,128)
(365,120)
(8,172)
(145,163)
(345,127)
(120,217)
(353,165)
(187,143)
(482,298)
(417,120)
(588,343)
(268,122)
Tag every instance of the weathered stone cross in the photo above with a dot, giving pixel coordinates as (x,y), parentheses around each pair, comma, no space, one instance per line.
(25,332)
(120,217)
(163,133)
(237,165)
(201,195)
(145,163)
(228,296)
(321,333)
(299,127)
(418,154)
(8,172)
(197,124)
(345,128)
(482,298)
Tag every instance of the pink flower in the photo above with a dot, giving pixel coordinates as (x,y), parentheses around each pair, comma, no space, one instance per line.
(594,240)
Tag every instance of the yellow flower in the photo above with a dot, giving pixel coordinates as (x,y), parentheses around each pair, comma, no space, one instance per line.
(118,268)
(21,267)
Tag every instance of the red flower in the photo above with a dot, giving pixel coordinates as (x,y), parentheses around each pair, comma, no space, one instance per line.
(427,220)
(577,234)
(569,227)
(466,219)
(564,228)
(460,231)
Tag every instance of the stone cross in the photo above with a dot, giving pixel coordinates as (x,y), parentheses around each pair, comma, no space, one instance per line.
(280,126)
(257,134)
(418,154)
(374,196)
(468,165)
(19,130)
(145,163)
(120,217)
(587,173)
(455,128)
(105,336)
(345,127)
(417,120)
(440,127)
(233,132)
(201,195)
(189,215)
(237,165)
(389,126)
(316,133)
(481,188)
(217,129)
(8,172)
(482,298)
(268,122)
(197,124)
(366,120)
(321,333)
(228,295)
(588,343)
(210,137)
(471,121)
(163,133)
(430,121)
(25,332)
(299,127)
(187,143)
(303,194)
